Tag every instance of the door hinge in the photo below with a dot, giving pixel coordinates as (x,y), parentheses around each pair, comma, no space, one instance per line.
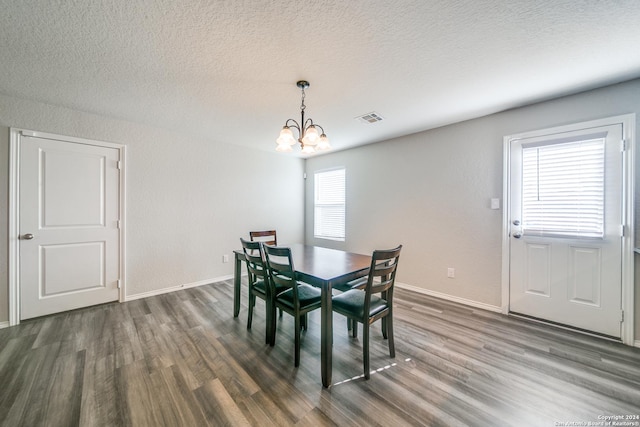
(623,145)
(119,164)
(119,284)
(622,230)
(621,315)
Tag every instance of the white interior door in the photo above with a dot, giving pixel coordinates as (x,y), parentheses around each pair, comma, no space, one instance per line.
(69,204)
(566,213)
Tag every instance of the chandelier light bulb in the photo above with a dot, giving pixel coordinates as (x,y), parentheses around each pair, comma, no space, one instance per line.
(311,136)
(284,148)
(323,143)
(308,149)
(286,137)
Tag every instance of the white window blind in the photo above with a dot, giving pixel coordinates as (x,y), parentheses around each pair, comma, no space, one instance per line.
(329,205)
(563,189)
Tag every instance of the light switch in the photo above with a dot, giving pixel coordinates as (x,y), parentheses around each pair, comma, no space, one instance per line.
(495,203)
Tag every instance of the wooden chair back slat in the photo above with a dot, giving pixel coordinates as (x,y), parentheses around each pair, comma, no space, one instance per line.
(268,237)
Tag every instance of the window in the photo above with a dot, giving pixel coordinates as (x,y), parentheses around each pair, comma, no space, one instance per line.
(329,205)
(563,189)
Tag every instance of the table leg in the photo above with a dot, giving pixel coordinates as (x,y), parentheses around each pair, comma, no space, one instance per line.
(326,347)
(236,286)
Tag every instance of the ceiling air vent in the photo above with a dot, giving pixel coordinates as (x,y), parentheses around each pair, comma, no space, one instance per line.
(369,118)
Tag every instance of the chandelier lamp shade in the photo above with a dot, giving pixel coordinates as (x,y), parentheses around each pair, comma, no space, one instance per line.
(311,140)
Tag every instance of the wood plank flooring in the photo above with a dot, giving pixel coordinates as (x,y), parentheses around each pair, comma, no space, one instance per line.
(181,359)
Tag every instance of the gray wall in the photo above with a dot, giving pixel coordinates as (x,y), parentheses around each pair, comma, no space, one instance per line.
(188,199)
(431,192)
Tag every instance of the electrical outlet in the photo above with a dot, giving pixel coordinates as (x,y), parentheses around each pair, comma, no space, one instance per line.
(451,273)
(225,258)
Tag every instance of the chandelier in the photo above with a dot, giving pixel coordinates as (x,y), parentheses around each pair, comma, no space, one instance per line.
(311,141)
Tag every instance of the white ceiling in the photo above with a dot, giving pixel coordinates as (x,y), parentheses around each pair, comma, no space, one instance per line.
(226,70)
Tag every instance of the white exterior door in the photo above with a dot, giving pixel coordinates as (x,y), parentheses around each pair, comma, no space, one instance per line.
(566,217)
(69,237)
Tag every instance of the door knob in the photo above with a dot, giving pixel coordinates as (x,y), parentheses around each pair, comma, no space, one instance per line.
(27,236)
(516,222)
(517,235)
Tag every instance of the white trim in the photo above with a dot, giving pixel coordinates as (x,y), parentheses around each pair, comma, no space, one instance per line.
(4,325)
(637,343)
(506,215)
(13,265)
(468,302)
(628,252)
(65,138)
(14,211)
(177,288)
(123,222)
(628,122)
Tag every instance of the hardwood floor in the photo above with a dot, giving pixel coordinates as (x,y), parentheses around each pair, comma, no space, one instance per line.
(181,359)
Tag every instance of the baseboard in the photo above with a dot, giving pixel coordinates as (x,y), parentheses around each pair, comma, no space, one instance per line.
(6,325)
(452,298)
(636,343)
(177,288)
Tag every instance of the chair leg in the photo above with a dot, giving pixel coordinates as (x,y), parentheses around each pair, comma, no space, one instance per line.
(272,338)
(297,340)
(350,325)
(365,350)
(384,327)
(305,322)
(252,302)
(354,328)
(389,324)
(268,315)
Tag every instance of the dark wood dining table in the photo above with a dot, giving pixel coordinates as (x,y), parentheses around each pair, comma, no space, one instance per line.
(323,268)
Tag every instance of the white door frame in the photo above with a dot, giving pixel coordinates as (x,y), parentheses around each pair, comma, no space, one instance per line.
(14,212)
(628,175)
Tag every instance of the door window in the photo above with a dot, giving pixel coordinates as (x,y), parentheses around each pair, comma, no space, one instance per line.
(563,188)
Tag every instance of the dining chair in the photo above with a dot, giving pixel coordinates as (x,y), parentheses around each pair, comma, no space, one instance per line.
(366,306)
(297,300)
(359,283)
(267,237)
(259,285)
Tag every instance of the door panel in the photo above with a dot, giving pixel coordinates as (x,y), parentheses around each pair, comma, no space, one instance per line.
(69,203)
(74,189)
(538,267)
(88,271)
(565,260)
(585,275)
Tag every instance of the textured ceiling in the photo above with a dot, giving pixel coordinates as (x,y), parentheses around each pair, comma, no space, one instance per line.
(226,70)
